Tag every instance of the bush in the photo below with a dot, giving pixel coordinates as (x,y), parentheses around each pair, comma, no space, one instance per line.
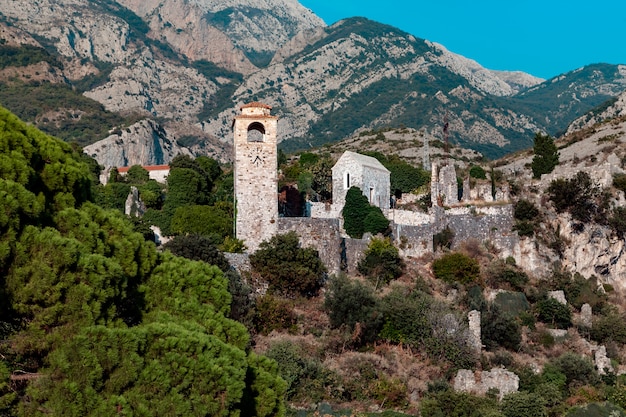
(273,314)
(619,182)
(512,303)
(381,262)
(525,210)
(500,274)
(577,369)
(288,268)
(553,312)
(354,305)
(610,326)
(477,172)
(198,248)
(499,329)
(617,221)
(523,404)
(577,195)
(294,368)
(354,212)
(456,267)
(443,239)
(375,222)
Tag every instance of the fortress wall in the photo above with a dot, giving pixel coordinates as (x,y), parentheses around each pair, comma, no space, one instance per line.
(322,234)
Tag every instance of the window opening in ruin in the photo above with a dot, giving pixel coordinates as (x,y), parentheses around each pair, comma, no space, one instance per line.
(372,195)
(346,181)
(256,132)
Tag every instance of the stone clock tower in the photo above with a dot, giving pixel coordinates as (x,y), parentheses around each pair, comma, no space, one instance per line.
(255,177)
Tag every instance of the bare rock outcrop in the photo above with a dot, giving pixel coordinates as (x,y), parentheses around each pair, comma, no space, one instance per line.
(144,143)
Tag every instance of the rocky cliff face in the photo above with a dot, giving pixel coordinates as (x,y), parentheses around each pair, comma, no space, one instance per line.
(144,143)
(238,35)
(613,110)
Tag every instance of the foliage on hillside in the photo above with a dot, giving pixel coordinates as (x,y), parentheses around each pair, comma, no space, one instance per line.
(60,111)
(96,318)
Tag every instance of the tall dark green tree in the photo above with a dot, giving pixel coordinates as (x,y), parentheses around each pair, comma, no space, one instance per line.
(546,155)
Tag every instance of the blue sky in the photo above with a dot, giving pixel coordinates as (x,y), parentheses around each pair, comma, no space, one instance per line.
(544,38)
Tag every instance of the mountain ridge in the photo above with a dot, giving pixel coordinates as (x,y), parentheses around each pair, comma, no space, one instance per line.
(324,82)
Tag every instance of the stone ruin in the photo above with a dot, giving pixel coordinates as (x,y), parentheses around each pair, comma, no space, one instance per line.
(479,383)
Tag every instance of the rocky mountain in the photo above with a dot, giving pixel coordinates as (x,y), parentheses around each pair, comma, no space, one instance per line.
(191,63)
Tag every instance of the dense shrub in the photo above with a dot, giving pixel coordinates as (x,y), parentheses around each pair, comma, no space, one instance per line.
(617,221)
(512,303)
(457,404)
(203,220)
(578,195)
(443,239)
(416,319)
(553,312)
(523,404)
(198,248)
(381,262)
(295,368)
(577,369)
(273,313)
(288,268)
(350,303)
(502,275)
(476,171)
(456,267)
(610,326)
(499,329)
(619,182)
(525,210)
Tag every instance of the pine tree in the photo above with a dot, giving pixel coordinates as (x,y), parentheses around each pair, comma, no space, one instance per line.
(546,155)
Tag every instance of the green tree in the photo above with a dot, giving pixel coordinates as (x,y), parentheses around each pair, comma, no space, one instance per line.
(456,267)
(287,267)
(354,305)
(381,261)
(202,220)
(137,175)
(354,212)
(198,248)
(553,312)
(546,155)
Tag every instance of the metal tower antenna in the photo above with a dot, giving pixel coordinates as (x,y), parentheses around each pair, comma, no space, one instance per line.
(446,124)
(426,159)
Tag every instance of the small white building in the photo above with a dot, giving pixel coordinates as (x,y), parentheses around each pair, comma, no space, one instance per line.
(367,173)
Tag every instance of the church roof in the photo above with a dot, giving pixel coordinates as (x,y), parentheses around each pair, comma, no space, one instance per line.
(256,104)
(363,160)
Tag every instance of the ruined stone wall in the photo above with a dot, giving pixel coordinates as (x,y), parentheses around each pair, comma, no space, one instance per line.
(322,234)
(354,252)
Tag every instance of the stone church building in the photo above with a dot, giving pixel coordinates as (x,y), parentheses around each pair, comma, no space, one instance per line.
(367,173)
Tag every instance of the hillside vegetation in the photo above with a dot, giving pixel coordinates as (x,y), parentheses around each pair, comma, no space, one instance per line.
(93,320)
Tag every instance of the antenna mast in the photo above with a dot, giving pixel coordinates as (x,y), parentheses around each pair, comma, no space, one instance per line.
(426,159)
(446,124)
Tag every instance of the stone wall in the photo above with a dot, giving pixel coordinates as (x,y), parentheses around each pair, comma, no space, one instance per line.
(322,234)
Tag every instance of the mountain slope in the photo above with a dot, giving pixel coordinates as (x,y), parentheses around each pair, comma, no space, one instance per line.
(195,61)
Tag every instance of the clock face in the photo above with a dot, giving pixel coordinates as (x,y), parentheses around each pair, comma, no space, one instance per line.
(257,159)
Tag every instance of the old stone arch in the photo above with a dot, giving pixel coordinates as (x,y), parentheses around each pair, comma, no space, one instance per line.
(256,132)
